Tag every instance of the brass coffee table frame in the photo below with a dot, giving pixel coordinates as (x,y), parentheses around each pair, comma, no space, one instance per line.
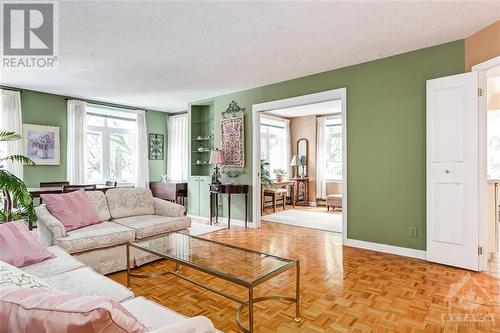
(249,285)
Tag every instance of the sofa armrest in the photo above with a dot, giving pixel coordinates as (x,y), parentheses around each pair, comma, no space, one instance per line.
(49,224)
(191,325)
(167,208)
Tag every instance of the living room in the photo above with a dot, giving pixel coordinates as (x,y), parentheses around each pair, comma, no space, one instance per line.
(131,140)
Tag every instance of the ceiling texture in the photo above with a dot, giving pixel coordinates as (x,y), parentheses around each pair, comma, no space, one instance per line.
(162,54)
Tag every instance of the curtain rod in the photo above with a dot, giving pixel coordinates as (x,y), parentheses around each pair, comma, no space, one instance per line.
(12,89)
(114,106)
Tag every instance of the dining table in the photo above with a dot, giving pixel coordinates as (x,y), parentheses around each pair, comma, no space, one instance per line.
(35,192)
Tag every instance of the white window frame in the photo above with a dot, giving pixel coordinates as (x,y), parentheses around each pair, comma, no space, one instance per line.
(105,133)
(341,135)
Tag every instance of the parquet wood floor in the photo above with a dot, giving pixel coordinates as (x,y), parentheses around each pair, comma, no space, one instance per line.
(343,289)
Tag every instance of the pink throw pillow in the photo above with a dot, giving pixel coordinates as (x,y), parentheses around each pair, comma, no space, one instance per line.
(19,247)
(26,310)
(74,209)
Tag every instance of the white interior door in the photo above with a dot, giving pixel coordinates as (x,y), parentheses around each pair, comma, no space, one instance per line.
(452,171)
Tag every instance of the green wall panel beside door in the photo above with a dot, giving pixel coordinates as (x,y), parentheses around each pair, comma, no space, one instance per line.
(386,137)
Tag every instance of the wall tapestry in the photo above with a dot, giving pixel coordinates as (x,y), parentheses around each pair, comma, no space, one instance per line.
(156,149)
(42,144)
(233,136)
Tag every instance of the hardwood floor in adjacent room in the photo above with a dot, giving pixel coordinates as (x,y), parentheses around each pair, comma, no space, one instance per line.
(343,289)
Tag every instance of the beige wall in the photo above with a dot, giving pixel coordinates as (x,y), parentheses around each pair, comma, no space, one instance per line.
(305,127)
(483,45)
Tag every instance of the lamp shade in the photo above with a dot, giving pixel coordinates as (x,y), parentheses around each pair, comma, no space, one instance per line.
(294,163)
(216,157)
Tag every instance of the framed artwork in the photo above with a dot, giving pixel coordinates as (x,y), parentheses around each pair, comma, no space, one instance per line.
(156,150)
(42,144)
(233,141)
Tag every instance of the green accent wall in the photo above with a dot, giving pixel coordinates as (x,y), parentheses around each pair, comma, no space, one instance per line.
(386,134)
(49,109)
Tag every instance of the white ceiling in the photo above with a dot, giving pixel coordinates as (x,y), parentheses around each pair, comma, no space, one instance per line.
(308,110)
(163,55)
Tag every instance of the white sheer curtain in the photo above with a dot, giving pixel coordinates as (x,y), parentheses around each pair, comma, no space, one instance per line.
(288,148)
(321,158)
(11,120)
(77,132)
(177,162)
(141,144)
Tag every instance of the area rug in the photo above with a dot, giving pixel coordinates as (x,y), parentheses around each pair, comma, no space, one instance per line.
(198,229)
(323,221)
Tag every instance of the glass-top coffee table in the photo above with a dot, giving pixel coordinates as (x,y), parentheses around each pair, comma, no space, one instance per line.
(238,265)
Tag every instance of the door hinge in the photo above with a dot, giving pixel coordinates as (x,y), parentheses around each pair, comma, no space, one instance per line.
(480,250)
(479,92)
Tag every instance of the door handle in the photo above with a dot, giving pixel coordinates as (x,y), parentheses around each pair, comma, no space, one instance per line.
(447,171)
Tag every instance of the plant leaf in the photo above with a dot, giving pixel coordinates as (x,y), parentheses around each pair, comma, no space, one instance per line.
(18,158)
(9,136)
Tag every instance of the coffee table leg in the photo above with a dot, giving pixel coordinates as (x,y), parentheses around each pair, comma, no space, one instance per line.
(128,265)
(250,309)
(297,291)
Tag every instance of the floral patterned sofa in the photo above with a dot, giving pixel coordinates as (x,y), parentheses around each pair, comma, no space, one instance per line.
(126,214)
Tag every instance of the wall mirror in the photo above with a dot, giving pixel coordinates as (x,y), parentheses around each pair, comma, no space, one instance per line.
(303,156)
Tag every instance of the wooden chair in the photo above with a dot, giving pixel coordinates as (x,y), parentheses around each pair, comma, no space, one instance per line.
(111,183)
(53,184)
(71,188)
(276,195)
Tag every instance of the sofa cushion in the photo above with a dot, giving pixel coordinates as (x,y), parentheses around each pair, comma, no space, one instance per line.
(95,236)
(52,311)
(86,281)
(100,203)
(11,276)
(62,262)
(74,209)
(19,247)
(151,314)
(123,202)
(151,225)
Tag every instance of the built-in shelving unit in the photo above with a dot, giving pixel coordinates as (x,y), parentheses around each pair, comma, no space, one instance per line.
(202,132)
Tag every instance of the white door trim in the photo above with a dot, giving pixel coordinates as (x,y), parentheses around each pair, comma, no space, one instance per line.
(482,68)
(323,96)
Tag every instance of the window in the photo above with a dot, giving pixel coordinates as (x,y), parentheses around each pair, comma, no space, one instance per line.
(333,137)
(273,143)
(493,144)
(110,144)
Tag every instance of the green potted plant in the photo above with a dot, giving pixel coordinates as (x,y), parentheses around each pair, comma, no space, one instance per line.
(16,200)
(280,173)
(265,175)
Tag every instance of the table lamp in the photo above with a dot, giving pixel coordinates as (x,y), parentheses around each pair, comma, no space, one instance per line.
(294,163)
(216,158)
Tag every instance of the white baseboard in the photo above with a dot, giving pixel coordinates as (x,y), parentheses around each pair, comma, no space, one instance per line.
(401,251)
(236,222)
(313,204)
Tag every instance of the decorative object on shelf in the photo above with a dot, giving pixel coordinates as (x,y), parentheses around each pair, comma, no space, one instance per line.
(216,158)
(280,173)
(156,149)
(42,144)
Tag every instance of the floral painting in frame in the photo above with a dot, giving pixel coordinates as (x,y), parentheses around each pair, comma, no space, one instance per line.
(42,144)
